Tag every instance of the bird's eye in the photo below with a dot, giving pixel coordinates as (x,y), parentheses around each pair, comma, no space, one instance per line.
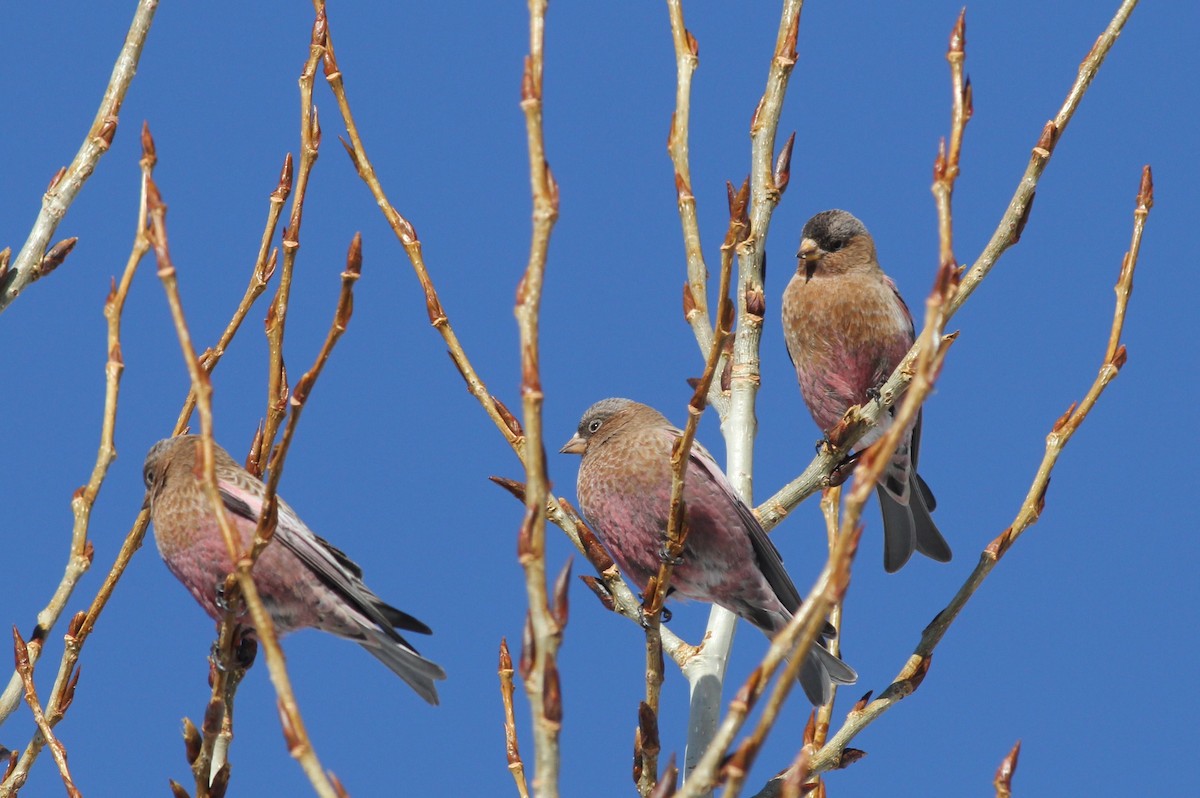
(148,475)
(595,425)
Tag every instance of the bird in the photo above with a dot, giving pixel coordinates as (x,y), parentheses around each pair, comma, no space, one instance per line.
(624,489)
(302,579)
(846,329)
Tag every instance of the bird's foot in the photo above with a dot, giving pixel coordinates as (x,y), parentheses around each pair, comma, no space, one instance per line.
(842,471)
(874,393)
(229,600)
(664,616)
(665,556)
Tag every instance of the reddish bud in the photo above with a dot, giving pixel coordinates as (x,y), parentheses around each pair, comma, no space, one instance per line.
(191,741)
(1004,773)
(1145,196)
(783,164)
(562,606)
(58,176)
(601,591)
(958,36)
(149,153)
(552,709)
(849,757)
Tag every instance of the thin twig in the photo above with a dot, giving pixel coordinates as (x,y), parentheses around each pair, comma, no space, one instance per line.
(310,143)
(515,766)
(57,750)
(509,427)
(33,261)
(695,290)
(542,682)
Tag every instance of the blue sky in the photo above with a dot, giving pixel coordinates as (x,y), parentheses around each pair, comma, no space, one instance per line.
(1082,643)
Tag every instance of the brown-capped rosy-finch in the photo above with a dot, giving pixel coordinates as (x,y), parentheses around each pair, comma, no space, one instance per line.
(625,491)
(847,329)
(303,581)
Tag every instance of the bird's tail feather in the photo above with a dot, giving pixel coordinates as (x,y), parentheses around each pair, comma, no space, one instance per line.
(820,671)
(418,672)
(907,524)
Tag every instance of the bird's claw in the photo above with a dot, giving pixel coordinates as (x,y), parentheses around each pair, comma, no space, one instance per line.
(664,615)
(665,556)
(225,604)
(874,394)
(823,445)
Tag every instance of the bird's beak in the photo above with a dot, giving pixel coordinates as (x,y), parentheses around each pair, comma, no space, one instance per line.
(809,251)
(576,445)
(146,503)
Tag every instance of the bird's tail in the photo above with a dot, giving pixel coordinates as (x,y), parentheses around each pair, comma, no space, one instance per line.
(820,671)
(906,502)
(404,661)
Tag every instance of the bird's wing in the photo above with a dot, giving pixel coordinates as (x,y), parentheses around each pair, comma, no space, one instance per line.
(769,561)
(335,570)
(903,306)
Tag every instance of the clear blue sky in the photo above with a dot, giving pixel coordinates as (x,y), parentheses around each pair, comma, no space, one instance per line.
(1082,643)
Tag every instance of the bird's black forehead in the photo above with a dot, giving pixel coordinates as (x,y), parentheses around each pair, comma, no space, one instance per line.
(832,230)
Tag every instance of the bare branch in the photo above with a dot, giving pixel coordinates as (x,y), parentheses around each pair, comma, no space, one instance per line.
(33,261)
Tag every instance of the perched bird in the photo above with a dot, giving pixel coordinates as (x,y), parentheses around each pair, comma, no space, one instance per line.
(847,329)
(625,492)
(302,579)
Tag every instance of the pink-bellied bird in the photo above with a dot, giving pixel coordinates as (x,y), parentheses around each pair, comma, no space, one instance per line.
(847,329)
(302,579)
(624,492)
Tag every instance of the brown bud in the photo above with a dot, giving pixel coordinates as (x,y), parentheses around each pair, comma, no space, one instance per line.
(514,487)
(1120,357)
(1145,197)
(562,606)
(689,301)
(1047,140)
(601,591)
(552,709)
(1065,417)
(692,45)
(849,757)
(213,713)
(861,703)
(1004,773)
(68,694)
(56,255)
(320,29)
(510,421)
(958,36)
(191,741)
(1019,227)
(177,789)
(108,129)
(149,154)
(756,302)
(648,728)
(783,165)
(58,176)
(284,187)
(968,101)
(354,258)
